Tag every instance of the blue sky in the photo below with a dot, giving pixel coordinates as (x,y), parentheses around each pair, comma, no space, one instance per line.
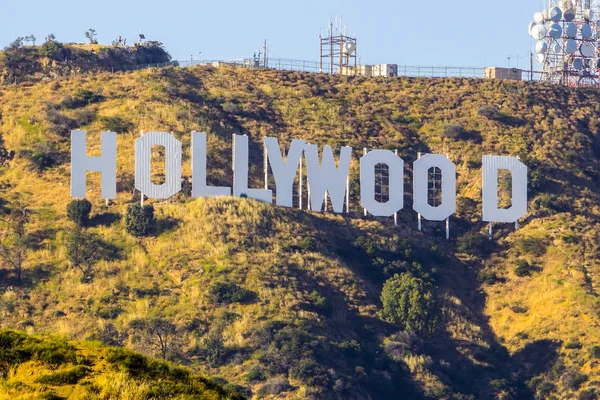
(435,32)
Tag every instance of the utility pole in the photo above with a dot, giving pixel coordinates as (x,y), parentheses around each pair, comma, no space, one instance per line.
(266,54)
(531,66)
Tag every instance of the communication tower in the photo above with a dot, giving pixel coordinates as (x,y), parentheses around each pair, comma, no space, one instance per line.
(337,50)
(566,35)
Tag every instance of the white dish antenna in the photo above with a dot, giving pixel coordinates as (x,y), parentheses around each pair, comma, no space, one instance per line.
(587,49)
(349,47)
(539,32)
(531,25)
(586,31)
(578,64)
(541,47)
(541,58)
(538,17)
(588,15)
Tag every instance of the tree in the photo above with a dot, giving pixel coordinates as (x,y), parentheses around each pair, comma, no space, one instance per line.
(139,220)
(214,347)
(409,302)
(13,241)
(91,34)
(159,333)
(30,39)
(83,251)
(16,44)
(79,210)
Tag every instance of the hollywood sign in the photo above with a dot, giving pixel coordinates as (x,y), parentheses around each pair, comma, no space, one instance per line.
(324,176)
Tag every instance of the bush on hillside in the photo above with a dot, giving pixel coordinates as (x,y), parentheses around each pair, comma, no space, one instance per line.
(490,112)
(274,387)
(475,244)
(454,131)
(523,269)
(82,98)
(227,293)
(139,220)
(409,302)
(43,156)
(214,348)
(309,372)
(79,210)
(487,276)
(256,374)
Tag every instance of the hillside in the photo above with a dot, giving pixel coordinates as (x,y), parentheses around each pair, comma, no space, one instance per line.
(283,302)
(51,368)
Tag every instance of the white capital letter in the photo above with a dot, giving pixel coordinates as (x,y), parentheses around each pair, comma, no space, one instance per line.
(327,178)
(240,172)
(199,187)
(518,170)
(420,187)
(143,160)
(396,183)
(105,164)
(284,172)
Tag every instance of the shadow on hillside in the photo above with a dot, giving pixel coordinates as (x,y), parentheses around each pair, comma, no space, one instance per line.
(31,277)
(106,219)
(385,378)
(166,225)
(35,240)
(481,366)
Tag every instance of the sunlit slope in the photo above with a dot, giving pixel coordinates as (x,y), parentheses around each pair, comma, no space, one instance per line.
(314,280)
(52,368)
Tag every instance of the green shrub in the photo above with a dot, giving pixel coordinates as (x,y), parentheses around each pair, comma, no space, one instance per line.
(239,389)
(410,303)
(139,220)
(309,372)
(227,292)
(454,131)
(532,245)
(256,374)
(43,156)
(318,301)
(214,348)
(79,210)
(574,380)
(595,351)
(487,276)
(490,112)
(274,386)
(52,49)
(308,244)
(81,98)
(523,268)
(17,348)
(70,377)
(475,244)
(574,344)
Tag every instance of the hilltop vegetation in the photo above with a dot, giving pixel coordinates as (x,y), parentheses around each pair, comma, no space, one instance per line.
(282,302)
(52,59)
(51,368)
